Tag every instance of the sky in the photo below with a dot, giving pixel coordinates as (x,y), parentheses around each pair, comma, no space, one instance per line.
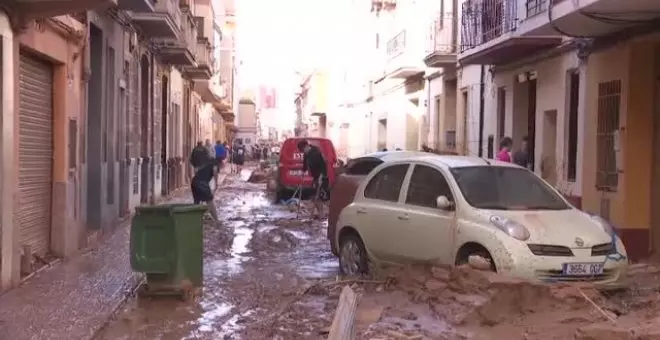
(278,38)
(275,38)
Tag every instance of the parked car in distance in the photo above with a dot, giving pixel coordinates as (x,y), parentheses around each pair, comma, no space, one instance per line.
(289,175)
(444,209)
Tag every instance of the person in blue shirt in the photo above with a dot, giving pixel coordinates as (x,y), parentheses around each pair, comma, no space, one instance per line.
(220,156)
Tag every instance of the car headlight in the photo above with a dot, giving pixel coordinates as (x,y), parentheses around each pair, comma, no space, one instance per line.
(606,226)
(512,228)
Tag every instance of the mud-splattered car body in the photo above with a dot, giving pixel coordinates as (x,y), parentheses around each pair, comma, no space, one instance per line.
(437,209)
(347,183)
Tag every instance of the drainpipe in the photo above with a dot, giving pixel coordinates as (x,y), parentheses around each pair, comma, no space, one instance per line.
(482,94)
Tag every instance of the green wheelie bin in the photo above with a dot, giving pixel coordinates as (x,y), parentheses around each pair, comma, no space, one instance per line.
(167,244)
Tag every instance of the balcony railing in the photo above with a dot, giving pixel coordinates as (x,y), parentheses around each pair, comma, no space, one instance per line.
(170,7)
(396,45)
(203,54)
(382,5)
(443,37)
(485,20)
(536,7)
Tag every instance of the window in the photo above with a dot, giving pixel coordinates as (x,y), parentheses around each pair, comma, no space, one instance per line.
(609,105)
(426,185)
(362,166)
(573,104)
(386,185)
(506,188)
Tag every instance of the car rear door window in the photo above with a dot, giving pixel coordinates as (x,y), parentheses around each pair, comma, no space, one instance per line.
(362,167)
(386,185)
(426,185)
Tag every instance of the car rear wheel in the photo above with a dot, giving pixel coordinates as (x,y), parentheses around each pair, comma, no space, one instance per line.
(353,258)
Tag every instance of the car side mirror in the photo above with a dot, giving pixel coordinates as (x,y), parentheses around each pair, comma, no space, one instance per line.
(444,203)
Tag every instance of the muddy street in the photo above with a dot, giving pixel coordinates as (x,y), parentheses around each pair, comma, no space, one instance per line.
(270,275)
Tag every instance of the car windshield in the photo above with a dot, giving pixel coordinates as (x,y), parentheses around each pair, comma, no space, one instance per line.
(506,188)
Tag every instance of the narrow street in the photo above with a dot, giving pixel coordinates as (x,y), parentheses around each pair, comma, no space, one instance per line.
(257,263)
(269,275)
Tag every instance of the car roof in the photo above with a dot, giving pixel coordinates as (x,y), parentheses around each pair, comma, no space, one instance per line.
(444,161)
(449,161)
(394,155)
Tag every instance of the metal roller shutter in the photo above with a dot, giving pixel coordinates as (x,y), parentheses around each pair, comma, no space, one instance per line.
(35,153)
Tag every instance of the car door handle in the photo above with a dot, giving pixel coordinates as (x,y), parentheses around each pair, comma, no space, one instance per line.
(404,217)
(362,211)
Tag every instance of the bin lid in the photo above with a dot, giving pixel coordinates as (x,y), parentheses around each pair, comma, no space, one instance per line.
(174,208)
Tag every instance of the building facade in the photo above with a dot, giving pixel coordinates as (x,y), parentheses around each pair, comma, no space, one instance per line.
(582,89)
(101,104)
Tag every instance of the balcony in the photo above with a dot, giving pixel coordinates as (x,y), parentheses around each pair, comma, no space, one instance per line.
(202,70)
(382,5)
(489,34)
(401,63)
(587,17)
(31,9)
(137,5)
(443,42)
(164,22)
(179,51)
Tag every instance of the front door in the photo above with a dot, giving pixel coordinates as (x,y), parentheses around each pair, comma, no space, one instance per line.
(429,231)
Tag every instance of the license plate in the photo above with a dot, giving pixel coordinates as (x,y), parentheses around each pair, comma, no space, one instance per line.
(582,269)
(295,173)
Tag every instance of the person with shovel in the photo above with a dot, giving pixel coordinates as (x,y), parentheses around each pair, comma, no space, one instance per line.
(200,186)
(314,162)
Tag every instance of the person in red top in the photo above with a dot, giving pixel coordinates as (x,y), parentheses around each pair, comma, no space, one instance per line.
(504,155)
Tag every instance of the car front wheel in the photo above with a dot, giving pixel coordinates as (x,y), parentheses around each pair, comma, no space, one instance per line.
(353,258)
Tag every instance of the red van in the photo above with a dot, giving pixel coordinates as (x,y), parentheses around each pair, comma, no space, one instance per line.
(289,169)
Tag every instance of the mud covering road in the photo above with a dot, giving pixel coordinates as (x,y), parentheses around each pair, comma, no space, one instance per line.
(270,275)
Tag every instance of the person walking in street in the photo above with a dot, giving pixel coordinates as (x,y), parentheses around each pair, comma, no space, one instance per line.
(220,156)
(200,187)
(504,155)
(238,156)
(198,157)
(522,157)
(315,164)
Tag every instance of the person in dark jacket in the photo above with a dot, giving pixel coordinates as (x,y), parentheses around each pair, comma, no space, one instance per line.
(315,164)
(238,156)
(200,186)
(199,156)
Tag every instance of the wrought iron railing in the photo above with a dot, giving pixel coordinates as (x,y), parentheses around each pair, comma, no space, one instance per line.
(443,37)
(485,20)
(396,45)
(536,7)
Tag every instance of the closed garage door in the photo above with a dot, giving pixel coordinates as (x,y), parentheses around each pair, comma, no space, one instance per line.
(35,153)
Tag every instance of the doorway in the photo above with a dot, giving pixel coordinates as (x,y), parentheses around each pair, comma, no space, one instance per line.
(531,121)
(164,140)
(144,149)
(549,153)
(655,167)
(95,133)
(382,135)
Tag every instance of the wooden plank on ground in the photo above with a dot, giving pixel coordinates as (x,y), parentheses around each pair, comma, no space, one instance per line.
(343,325)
